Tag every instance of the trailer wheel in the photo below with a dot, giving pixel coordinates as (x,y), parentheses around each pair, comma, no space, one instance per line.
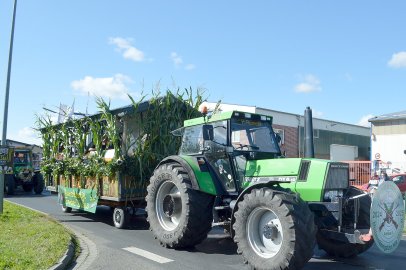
(38,181)
(119,217)
(9,184)
(347,250)
(274,230)
(179,216)
(66,209)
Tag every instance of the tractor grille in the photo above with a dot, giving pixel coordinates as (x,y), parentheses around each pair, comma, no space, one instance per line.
(304,170)
(337,176)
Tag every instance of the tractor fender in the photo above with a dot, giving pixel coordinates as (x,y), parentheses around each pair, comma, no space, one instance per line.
(271,184)
(185,165)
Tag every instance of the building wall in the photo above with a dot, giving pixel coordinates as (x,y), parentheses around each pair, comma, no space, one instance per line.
(289,147)
(388,143)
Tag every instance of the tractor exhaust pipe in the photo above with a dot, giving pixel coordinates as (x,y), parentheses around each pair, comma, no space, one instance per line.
(308,132)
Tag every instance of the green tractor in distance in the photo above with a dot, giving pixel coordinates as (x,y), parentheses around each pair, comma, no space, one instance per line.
(23,172)
(229,172)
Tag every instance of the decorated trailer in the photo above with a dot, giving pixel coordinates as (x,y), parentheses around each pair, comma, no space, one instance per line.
(107,158)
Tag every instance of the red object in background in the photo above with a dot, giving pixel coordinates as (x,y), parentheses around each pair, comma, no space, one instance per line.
(398,179)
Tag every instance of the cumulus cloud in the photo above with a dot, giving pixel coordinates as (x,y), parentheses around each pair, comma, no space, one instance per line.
(124,46)
(178,62)
(398,60)
(109,87)
(176,59)
(27,135)
(310,83)
(364,120)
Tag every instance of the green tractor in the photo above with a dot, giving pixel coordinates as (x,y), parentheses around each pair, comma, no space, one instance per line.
(23,172)
(230,172)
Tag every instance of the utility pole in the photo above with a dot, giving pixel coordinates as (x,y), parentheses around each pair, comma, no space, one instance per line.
(5,116)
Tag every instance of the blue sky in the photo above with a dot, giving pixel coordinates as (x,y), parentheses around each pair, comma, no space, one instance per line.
(345,59)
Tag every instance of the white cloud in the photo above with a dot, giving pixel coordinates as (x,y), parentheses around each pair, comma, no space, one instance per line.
(364,120)
(176,59)
(310,84)
(178,62)
(129,52)
(109,87)
(27,135)
(398,60)
(190,67)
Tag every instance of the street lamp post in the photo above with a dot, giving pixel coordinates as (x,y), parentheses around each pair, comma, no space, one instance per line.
(5,116)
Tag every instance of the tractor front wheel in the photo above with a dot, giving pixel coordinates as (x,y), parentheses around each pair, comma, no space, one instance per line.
(179,216)
(347,250)
(274,230)
(9,184)
(27,187)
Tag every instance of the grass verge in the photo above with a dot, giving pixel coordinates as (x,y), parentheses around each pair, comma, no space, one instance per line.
(30,240)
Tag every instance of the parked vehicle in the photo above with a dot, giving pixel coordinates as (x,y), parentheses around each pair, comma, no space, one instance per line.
(23,172)
(398,179)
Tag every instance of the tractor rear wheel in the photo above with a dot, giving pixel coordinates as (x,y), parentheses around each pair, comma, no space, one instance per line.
(274,230)
(179,216)
(347,250)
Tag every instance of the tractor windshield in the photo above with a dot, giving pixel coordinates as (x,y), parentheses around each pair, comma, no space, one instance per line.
(253,135)
(21,158)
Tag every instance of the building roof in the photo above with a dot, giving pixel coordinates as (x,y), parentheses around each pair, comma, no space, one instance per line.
(389,116)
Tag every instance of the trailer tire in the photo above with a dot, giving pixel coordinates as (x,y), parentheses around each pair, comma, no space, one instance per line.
(120,217)
(9,184)
(179,216)
(66,209)
(274,230)
(38,181)
(347,250)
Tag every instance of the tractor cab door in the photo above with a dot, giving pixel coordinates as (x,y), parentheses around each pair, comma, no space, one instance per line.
(218,157)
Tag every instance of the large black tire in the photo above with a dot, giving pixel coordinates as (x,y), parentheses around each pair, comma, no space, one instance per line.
(9,184)
(38,182)
(347,250)
(27,187)
(274,230)
(120,217)
(179,216)
(66,209)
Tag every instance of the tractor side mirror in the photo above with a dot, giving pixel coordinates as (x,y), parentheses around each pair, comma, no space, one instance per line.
(207,132)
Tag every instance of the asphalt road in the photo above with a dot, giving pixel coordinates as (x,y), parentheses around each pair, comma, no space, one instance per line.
(216,252)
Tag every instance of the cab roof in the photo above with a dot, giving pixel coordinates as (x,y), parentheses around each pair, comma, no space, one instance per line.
(225,116)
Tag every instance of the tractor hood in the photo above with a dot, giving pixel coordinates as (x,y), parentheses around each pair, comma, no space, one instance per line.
(306,176)
(281,170)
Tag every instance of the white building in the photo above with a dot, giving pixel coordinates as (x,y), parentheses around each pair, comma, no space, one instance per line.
(388,140)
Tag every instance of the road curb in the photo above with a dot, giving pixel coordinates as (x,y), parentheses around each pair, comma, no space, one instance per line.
(66,259)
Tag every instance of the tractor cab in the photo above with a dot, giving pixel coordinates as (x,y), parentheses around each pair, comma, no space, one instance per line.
(227,141)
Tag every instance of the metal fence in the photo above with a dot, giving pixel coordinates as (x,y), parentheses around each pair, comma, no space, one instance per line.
(360,171)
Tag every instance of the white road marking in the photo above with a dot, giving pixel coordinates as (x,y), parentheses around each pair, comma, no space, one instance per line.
(148,255)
